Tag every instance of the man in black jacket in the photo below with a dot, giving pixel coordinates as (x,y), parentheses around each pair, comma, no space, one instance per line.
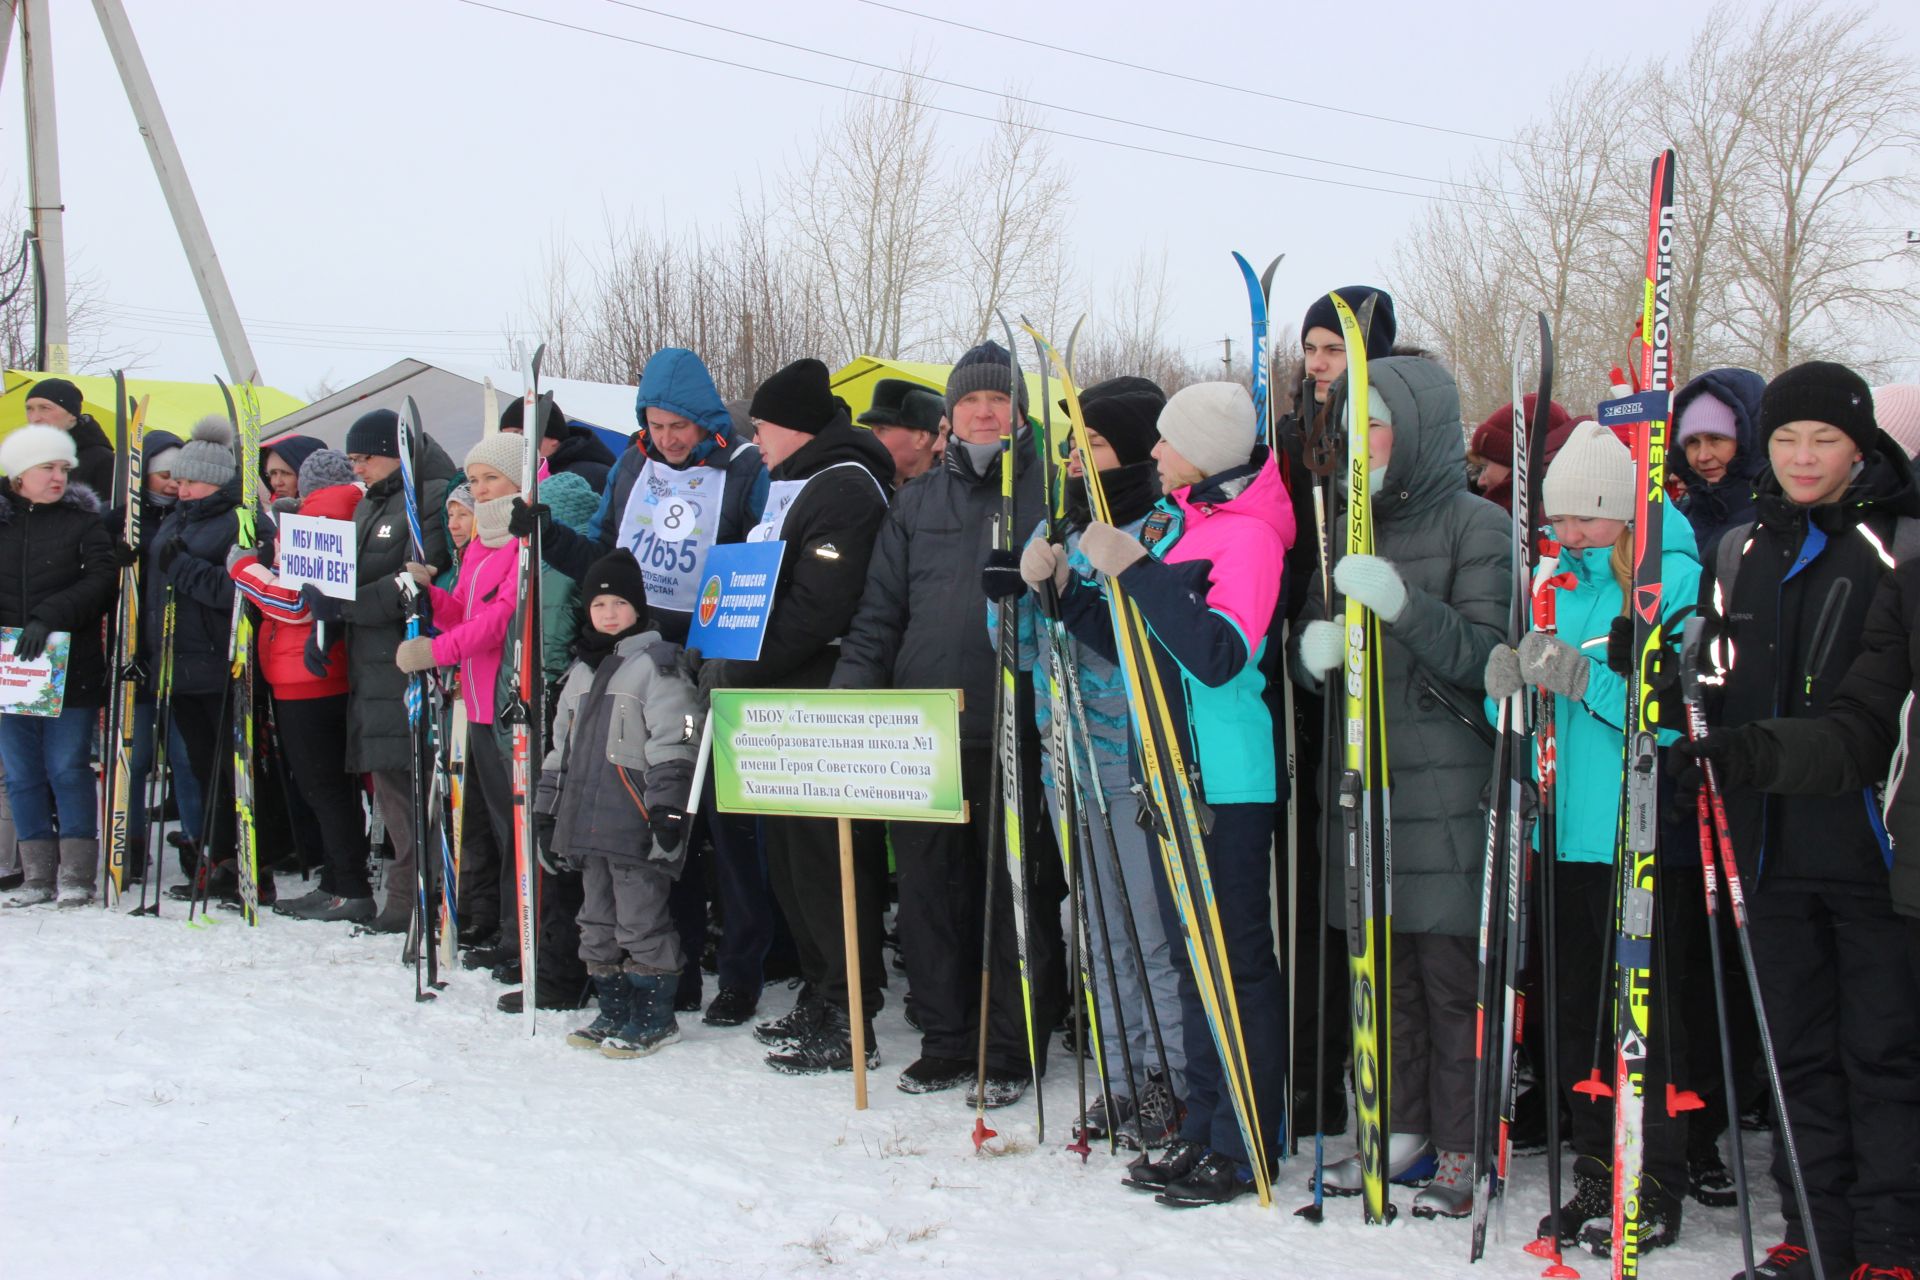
(569,449)
(922,623)
(55,402)
(827,499)
(1787,601)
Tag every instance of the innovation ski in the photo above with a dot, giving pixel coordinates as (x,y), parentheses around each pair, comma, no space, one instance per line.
(119,749)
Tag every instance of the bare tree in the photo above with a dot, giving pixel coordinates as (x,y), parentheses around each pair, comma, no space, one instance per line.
(873,219)
(1126,335)
(1012,228)
(89,343)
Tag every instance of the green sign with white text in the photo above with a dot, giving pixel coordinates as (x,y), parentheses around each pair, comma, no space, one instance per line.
(839,753)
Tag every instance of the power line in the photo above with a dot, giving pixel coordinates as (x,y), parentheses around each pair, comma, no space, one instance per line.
(166,314)
(1046,106)
(1200,80)
(955,111)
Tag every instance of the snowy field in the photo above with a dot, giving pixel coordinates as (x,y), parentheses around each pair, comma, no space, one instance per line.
(272,1103)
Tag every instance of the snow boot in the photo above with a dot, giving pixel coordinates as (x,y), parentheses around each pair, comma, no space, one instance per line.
(1214,1179)
(1592,1199)
(733,1006)
(40,865)
(1175,1163)
(1450,1194)
(792,1026)
(828,1047)
(935,1075)
(1660,1212)
(1410,1163)
(79,869)
(615,994)
(649,1024)
(1002,1088)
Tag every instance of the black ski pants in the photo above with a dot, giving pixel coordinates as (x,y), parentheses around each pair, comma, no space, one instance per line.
(1240,865)
(941,869)
(313,736)
(1585,927)
(803,855)
(1844,1009)
(205,721)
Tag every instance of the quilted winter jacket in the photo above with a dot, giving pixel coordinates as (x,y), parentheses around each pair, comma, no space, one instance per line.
(1453,550)
(472,620)
(56,567)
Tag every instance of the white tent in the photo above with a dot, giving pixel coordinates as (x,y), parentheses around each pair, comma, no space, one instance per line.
(451,402)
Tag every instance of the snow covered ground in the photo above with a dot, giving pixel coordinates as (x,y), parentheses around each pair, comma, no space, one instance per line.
(220,1101)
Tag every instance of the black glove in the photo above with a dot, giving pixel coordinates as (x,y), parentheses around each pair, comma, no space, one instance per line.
(125,556)
(32,642)
(526,519)
(1683,795)
(168,554)
(314,659)
(1000,575)
(543,828)
(322,606)
(1620,646)
(1735,755)
(669,826)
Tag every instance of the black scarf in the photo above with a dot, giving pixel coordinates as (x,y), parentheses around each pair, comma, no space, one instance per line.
(592,646)
(1131,492)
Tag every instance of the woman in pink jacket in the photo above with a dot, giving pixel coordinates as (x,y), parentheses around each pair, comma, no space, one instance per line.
(470,624)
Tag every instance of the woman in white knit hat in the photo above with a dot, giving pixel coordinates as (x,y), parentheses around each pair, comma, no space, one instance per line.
(1589,496)
(57,574)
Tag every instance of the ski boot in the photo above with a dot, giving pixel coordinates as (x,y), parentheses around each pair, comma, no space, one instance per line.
(615,994)
(1660,1212)
(649,1024)
(1175,1163)
(1592,1200)
(1410,1163)
(1215,1179)
(1450,1194)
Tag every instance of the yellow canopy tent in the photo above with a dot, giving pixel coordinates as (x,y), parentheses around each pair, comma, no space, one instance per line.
(175,406)
(855,382)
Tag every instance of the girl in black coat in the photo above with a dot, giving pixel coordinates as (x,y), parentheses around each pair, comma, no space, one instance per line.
(57,575)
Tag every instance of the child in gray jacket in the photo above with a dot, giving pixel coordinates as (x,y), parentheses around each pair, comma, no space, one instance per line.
(613,801)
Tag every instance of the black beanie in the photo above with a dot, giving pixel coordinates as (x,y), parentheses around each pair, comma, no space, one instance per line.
(515,414)
(987,367)
(58,390)
(615,574)
(799,397)
(1126,413)
(1380,332)
(1820,391)
(375,434)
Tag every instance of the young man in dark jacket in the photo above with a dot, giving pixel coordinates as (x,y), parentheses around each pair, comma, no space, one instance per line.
(922,624)
(378,739)
(568,448)
(830,484)
(1787,601)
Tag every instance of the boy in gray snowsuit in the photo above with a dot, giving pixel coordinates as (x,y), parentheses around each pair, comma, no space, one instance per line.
(613,801)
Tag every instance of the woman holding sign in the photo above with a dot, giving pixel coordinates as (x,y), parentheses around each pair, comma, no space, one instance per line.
(57,574)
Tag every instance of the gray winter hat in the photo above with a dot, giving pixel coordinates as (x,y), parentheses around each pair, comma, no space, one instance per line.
(208,455)
(323,469)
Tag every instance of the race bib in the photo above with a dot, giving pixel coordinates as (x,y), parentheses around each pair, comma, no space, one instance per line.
(671,522)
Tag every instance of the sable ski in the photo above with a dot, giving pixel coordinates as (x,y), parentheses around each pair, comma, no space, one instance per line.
(1633,948)
(527,715)
(119,744)
(1170,803)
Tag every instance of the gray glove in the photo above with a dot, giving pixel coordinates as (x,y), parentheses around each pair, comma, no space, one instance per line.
(1112,551)
(1503,673)
(1041,561)
(1553,664)
(1323,646)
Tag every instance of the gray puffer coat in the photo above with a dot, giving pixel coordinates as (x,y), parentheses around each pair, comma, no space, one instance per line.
(624,737)
(1453,550)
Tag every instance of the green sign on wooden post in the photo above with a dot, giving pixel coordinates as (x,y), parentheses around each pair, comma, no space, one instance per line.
(890,754)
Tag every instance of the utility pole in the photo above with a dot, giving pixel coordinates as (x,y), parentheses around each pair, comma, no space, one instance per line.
(1227,360)
(194,236)
(43,187)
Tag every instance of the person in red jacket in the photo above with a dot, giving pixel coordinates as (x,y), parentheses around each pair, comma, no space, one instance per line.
(303,656)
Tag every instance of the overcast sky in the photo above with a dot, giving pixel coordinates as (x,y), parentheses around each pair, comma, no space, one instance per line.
(381,178)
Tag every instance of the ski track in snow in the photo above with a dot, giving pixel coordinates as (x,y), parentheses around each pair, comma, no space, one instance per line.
(220,1101)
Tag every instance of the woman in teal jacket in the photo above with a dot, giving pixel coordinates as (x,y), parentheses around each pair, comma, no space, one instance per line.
(1589,497)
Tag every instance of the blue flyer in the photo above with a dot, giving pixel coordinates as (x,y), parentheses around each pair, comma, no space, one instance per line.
(736,596)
